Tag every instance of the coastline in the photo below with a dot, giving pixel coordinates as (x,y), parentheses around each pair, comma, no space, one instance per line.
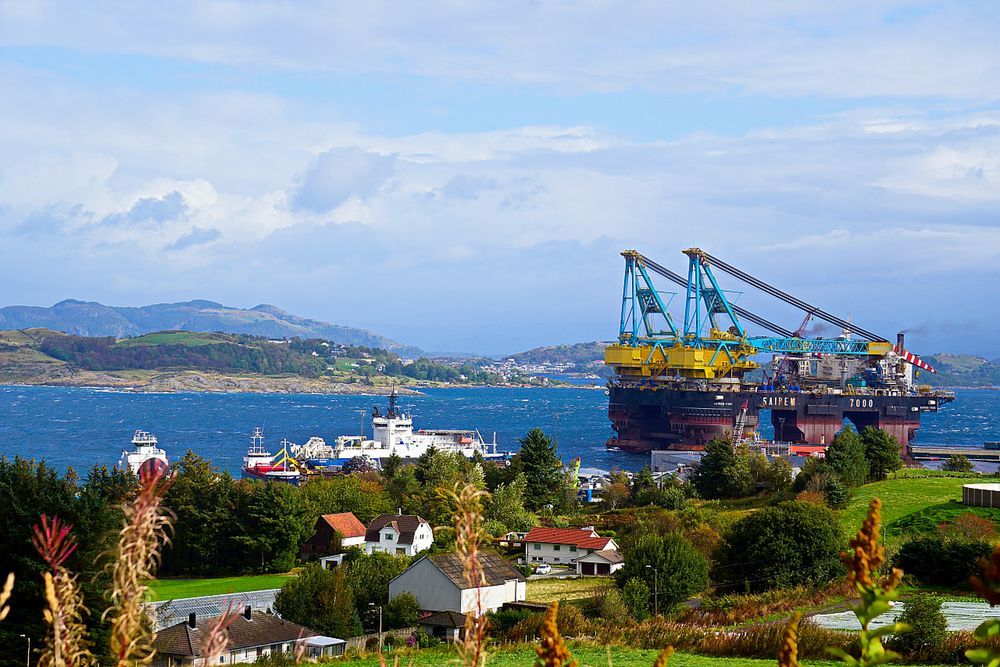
(192,381)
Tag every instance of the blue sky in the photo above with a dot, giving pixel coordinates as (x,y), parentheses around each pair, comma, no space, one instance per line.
(462,176)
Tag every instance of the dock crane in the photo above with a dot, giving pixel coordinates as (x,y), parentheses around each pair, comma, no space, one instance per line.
(711,343)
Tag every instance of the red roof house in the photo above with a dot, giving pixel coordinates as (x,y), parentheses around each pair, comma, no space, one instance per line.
(344,527)
(562,546)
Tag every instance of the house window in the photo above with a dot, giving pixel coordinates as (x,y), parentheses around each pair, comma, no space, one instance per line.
(572,548)
(538,547)
(400,552)
(222,658)
(555,547)
(555,560)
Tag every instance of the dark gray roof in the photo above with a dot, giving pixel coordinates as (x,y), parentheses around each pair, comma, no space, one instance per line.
(444,619)
(260,630)
(169,612)
(495,569)
(405,524)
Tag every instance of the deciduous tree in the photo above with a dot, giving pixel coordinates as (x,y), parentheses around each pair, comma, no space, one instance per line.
(783,545)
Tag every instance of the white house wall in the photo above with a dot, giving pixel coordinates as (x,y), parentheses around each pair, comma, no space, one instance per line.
(493,597)
(557,554)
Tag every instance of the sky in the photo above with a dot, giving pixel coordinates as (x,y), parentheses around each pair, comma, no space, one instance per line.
(463,176)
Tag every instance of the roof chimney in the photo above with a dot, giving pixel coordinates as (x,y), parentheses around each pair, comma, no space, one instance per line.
(399,511)
(247,612)
(192,620)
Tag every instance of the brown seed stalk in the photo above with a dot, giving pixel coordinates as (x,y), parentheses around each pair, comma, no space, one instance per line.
(468,532)
(664,657)
(66,641)
(788,654)
(552,650)
(138,556)
(8,590)
(866,555)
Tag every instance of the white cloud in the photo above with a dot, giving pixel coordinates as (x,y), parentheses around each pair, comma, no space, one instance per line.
(846,49)
(339,174)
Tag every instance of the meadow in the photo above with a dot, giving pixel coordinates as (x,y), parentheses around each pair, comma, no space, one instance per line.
(172,589)
(587,656)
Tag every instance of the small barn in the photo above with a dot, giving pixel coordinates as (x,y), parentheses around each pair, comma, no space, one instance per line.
(438,583)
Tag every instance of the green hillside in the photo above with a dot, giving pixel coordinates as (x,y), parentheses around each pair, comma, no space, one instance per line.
(88,318)
(962,370)
(44,356)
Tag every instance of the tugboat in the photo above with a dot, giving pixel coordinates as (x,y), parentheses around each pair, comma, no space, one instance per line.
(145,457)
(259,464)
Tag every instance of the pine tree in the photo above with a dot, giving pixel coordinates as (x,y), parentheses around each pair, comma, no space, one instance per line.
(542,470)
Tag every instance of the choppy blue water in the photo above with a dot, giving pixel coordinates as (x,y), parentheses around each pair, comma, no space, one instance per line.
(81,427)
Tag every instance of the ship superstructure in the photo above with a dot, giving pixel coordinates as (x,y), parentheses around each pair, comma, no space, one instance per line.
(679,386)
(392,433)
(260,464)
(144,448)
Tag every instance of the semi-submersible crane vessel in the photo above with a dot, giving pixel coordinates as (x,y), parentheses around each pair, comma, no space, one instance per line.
(678,388)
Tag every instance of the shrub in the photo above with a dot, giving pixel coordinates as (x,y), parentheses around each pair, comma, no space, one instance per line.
(635,595)
(788,544)
(958,463)
(939,561)
(668,565)
(968,526)
(928,625)
(835,493)
(612,606)
(402,611)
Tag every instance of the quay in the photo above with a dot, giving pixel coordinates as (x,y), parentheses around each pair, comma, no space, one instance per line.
(931,453)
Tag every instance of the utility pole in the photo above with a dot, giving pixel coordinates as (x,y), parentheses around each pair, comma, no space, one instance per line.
(656,590)
(27,660)
(372,606)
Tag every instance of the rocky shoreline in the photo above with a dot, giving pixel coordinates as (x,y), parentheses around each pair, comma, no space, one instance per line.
(194,381)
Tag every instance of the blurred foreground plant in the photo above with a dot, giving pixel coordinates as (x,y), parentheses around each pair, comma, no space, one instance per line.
(66,638)
(139,547)
(863,561)
(988,588)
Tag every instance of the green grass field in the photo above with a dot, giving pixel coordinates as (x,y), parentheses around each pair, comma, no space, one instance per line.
(902,496)
(172,589)
(588,656)
(191,339)
(549,590)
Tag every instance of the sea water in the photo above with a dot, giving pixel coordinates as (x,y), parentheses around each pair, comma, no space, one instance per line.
(82,427)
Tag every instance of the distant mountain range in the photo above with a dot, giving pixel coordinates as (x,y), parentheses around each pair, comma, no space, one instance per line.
(87,318)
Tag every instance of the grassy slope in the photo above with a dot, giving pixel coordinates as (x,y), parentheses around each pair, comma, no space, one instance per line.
(171,589)
(905,496)
(191,339)
(548,590)
(587,656)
